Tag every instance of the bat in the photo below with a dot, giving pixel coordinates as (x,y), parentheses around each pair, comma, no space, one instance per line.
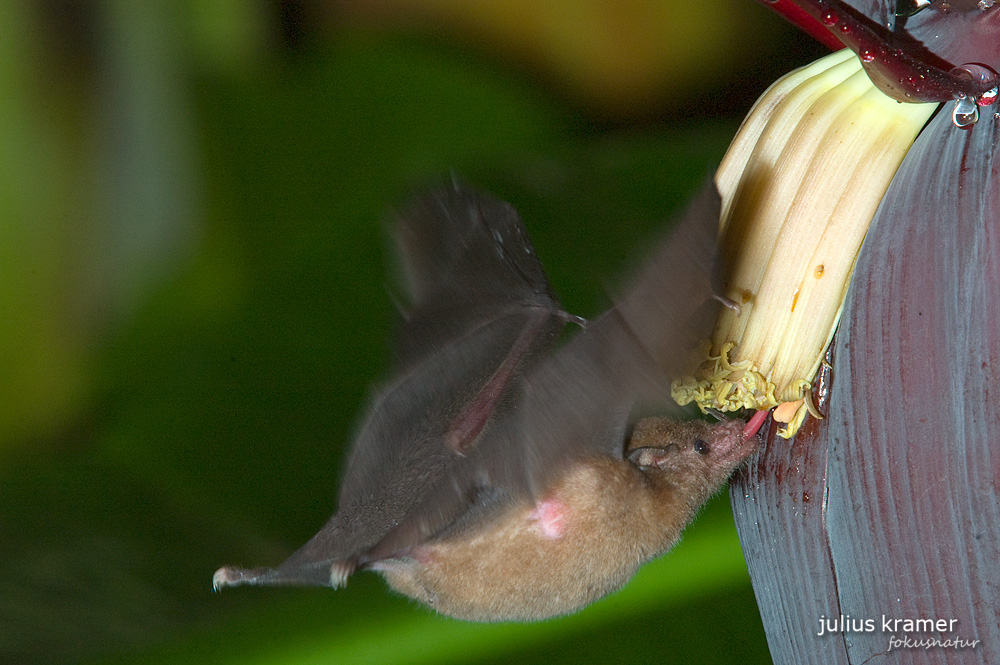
(496,475)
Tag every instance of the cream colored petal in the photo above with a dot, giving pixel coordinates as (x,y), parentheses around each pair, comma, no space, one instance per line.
(800,185)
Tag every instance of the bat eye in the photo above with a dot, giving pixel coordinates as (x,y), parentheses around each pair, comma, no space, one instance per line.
(700,447)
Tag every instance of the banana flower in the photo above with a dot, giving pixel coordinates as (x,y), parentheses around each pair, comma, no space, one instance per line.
(887,510)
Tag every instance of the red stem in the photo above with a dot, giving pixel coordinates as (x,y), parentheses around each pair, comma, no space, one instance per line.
(802,20)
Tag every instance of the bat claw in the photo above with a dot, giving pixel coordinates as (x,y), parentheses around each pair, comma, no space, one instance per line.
(302,574)
(718,415)
(339,572)
(225,576)
(728,303)
(573,318)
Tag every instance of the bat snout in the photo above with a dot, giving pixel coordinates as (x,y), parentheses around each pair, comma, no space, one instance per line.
(729,445)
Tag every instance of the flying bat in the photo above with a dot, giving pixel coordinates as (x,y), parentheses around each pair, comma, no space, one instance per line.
(498,476)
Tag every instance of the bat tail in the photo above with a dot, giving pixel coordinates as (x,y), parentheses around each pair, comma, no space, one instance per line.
(333,574)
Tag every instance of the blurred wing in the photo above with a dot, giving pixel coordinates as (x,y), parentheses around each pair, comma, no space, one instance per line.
(479,310)
(577,402)
(469,424)
(670,305)
(466,266)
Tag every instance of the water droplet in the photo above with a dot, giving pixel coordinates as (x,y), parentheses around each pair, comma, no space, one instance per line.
(986,4)
(965,114)
(830,18)
(975,71)
(944,8)
(980,73)
(866,56)
(819,270)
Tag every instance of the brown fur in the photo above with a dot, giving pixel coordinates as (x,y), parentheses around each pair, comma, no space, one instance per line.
(616,517)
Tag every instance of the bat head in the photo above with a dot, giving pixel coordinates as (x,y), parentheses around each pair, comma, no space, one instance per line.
(689,453)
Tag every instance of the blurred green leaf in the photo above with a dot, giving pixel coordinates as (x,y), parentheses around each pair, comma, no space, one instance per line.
(223,404)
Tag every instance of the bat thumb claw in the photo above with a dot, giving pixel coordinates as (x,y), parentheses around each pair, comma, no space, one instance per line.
(715,413)
(573,318)
(728,303)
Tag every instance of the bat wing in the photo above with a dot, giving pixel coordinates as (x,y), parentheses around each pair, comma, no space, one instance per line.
(465,262)
(670,305)
(577,402)
(478,311)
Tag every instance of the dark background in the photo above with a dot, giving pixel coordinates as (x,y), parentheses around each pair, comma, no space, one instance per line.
(192,281)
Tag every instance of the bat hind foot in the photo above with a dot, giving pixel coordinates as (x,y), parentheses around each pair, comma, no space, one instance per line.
(339,572)
(227,576)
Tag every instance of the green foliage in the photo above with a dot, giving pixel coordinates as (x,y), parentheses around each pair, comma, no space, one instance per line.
(218,404)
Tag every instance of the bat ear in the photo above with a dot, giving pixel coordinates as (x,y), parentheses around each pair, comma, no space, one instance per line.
(650,457)
(333,575)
